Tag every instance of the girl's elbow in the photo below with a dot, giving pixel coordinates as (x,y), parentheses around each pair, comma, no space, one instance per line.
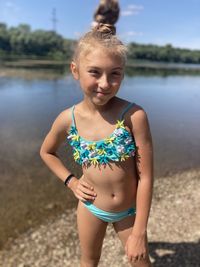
(42,153)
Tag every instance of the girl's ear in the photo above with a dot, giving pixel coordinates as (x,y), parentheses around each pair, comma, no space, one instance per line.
(74,70)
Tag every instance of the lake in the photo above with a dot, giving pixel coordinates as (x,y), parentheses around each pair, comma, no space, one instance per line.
(29,193)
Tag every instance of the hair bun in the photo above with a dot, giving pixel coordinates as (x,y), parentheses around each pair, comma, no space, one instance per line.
(105,29)
(107,12)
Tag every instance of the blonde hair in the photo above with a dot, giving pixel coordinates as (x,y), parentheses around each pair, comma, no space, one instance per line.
(103,35)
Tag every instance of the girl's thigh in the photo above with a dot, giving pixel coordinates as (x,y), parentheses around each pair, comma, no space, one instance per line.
(123,229)
(91,233)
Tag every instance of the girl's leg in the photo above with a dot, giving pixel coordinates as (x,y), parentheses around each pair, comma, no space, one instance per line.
(124,228)
(91,234)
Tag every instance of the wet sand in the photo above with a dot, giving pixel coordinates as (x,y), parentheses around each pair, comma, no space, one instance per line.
(174,235)
(30,194)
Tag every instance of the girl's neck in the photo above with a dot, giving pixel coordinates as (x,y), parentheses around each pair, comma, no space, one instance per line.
(87,105)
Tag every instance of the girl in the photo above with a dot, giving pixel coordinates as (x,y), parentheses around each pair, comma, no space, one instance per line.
(111,140)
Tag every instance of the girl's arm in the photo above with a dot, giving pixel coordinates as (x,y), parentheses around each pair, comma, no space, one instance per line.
(136,246)
(57,135)
(144,163)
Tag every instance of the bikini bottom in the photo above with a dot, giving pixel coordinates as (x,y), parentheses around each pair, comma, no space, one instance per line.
(109,217)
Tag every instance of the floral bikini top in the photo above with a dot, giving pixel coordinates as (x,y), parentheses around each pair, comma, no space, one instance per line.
(118,146)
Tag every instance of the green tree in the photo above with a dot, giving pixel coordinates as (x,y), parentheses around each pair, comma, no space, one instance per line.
(4,38)
(19,38)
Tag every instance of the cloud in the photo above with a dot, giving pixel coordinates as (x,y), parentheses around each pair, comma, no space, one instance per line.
(77,34)
(132,10)
(133,33)
(11,6)
(129,36)
(10,13)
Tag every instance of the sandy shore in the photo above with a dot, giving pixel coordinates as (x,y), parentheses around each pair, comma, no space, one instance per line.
(174,232)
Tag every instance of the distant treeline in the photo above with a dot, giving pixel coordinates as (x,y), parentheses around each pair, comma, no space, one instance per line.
(21,41)
(165,53)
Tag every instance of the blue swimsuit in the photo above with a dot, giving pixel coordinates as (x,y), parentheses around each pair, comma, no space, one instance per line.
(117,147)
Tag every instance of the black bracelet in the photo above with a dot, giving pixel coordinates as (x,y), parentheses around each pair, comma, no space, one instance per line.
(67,180)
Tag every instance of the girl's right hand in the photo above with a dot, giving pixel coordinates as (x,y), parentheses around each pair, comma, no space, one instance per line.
(82,190)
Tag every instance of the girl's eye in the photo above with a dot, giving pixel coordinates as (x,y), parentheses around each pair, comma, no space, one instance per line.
(116,73)
(94,72)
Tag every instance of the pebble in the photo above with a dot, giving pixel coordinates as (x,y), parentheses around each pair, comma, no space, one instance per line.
(173,230)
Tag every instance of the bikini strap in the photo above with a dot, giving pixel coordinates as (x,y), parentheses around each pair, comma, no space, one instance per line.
(126,109)
(73,119)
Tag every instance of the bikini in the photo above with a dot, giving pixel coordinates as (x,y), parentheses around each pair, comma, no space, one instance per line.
(118,146)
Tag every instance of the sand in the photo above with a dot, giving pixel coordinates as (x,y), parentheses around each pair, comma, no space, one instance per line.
(173,230)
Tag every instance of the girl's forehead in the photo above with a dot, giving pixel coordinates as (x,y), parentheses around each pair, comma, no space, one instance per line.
(100,56)
(100,50)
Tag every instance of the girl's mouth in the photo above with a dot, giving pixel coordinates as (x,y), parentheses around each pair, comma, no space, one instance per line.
(101,93)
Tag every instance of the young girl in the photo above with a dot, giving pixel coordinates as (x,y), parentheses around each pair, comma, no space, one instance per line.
(111,140)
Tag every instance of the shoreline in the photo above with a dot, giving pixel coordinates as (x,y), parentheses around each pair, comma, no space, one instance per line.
(176,202)
(54,70)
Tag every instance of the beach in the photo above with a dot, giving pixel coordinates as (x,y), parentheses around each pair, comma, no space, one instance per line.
(173,231)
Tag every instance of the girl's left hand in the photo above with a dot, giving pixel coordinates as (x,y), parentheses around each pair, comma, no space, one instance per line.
(136,247)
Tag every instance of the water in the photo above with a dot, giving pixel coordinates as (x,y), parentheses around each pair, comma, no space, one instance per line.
(27,109)
(172,104)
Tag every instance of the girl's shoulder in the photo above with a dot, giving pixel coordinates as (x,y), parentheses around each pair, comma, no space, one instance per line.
(138,121)
(64,120)
(130,109)
(137,114)
(133,114)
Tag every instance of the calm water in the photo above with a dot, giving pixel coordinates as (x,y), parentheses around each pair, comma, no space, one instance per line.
(29,193)
(27,109)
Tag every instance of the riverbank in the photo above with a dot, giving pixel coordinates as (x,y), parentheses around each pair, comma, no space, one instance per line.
(52,70)
(173,231)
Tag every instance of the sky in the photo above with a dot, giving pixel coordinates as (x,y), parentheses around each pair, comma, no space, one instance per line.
(159,22)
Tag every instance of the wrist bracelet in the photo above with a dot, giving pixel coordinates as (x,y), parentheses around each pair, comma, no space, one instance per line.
(69,177)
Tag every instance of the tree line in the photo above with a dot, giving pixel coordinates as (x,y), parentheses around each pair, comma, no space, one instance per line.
(22,41)
(167,53)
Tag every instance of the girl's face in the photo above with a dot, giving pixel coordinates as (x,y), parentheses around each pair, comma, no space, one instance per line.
(100,74)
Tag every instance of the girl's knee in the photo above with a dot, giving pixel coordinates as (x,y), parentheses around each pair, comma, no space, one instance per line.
(143,263)
(89,262)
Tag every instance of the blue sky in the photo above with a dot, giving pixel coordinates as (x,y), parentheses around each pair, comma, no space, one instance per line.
(143,21)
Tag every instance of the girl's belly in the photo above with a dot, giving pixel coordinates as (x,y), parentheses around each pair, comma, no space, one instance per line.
(114,184)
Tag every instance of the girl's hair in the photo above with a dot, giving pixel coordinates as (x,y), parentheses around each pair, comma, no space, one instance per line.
(102,35)
(107,12)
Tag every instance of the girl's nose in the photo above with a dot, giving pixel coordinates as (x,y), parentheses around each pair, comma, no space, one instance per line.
(104,82)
